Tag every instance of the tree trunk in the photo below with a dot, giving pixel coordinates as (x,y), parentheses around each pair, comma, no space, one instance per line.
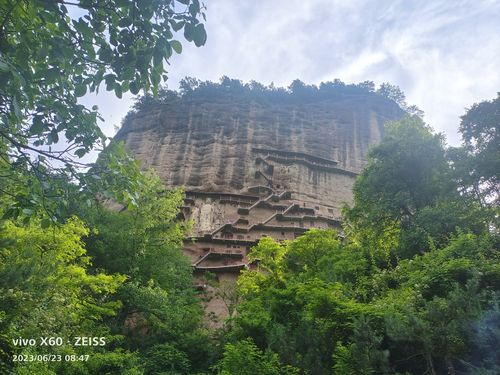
(449,365)
(430,363)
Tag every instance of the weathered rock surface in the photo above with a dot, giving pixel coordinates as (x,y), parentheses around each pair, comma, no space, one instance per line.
(252,170)
(208,146)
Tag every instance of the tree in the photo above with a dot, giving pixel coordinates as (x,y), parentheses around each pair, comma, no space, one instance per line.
(432,302)
(297,307)
(363,355)
(392,92)
(477,162)
(245,358)
(125,279)
(412,288)
(48,290)
(48,195)
(160,314)
(397,95)
(421,315)
(297,92)
(53,52)
(407,197)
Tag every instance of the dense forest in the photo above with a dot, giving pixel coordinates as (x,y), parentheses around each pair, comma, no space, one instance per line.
(92,275)
(410,286)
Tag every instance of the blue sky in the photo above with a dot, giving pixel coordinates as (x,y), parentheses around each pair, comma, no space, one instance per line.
(445,55)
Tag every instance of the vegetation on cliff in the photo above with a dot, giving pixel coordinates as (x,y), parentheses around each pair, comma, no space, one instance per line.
(412,287)
(92,275)
(120,276)
(297,93)
(54,52)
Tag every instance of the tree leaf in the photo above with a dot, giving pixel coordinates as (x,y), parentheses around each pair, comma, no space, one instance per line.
(134,88)
(80,90)
(125,22)
(118,90)
(176,46)
(45,223)
(53,137)
(80,152)
(194,8)
(38,126)
(189,32)
(177,25)
(199,35)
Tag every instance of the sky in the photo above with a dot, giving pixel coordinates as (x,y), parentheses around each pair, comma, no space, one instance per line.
(445,55)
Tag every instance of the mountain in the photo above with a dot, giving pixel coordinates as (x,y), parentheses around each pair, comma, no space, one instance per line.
(256,162)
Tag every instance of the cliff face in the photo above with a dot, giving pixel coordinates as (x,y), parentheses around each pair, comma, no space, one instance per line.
(256,169)
(212,146)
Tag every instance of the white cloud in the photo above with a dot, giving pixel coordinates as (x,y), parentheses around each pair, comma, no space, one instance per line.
(444,55)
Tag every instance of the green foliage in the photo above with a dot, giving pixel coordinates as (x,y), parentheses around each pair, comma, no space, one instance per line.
(297,93)
(406,200)
(297,307)
(48,288)
(363,355)
(160,315)
(56,260)
(417,317)
(56,279)
(166,359)
(245,358)
(477,163)
(113,362)
(412,288)
(139,231)
(31,195)
(304,254)
(395,94)
(52,53)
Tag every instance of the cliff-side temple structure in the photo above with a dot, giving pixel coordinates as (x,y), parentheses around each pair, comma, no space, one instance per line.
(252,169)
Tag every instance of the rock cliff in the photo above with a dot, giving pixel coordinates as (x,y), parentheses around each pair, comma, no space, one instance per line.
(255,168)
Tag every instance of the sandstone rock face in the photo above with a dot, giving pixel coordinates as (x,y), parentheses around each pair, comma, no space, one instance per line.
(252,169)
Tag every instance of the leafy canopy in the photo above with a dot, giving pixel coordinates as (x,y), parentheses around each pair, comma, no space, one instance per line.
(53,52)
(160,317)
(49,289)
(407,197)
(297,93)
(477,162)
(412,287)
